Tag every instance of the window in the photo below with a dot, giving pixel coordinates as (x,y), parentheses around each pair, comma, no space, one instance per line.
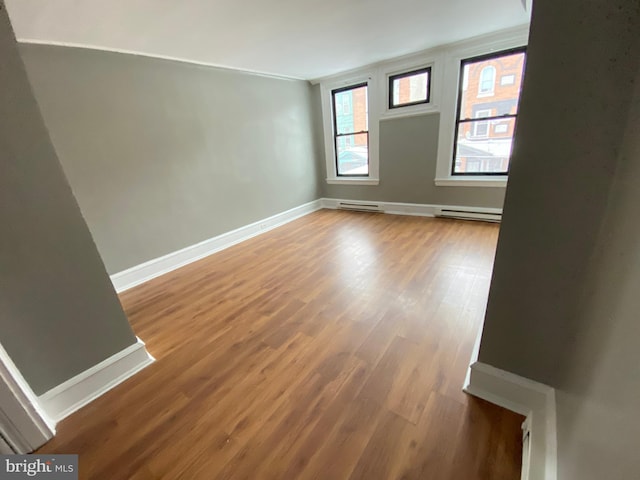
(484,126)
(481,129)
(487,81)
(410,88)
(351,130)
(349,103)
(507,80)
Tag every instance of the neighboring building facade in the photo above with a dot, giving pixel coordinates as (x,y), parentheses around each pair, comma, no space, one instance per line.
(490,88)
(351,117)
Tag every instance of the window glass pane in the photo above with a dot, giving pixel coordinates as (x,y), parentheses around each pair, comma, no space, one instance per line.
(484,146)
(351,110)
(408,89)
(487,80)
(353,154)
(482,91)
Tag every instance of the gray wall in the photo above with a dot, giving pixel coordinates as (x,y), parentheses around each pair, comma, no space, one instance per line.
(59,314)
(162,155)
(563,305)
(581,63)
(408,150)
(598,393)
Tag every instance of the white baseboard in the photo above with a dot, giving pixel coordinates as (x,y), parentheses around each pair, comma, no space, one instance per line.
(159,266)
(474,355)
(534,400)
(415,209)
(23,423)
(75,393)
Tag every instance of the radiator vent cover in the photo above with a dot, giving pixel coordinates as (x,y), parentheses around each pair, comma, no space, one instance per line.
(360,207)
(468,214)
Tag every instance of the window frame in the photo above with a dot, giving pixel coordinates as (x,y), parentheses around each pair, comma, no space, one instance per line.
(448,79)
(444,84)
(400,76)
(463,63)
(326,87)
(337,135)
(377,78)
(427,59)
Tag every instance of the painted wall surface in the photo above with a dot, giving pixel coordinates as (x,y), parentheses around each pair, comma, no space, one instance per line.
(598,392)
(566,149)
(408,150)
(59,314)
(162,155)
(563,304)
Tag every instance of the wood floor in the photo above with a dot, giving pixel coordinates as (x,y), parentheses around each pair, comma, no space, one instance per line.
(334,347)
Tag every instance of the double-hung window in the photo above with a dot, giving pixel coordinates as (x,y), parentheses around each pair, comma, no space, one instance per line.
(351,130)
(487,112)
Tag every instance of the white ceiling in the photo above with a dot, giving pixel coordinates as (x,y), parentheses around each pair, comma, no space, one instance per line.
(293,38)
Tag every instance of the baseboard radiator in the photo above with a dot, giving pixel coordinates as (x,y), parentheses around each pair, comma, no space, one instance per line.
(360,207)
(465,214)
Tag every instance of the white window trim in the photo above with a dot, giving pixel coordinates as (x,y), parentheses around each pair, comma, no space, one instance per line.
(472,181)
(368,77)
(445,64)
(409,64)
(449,104)
(377,78)
(410,75)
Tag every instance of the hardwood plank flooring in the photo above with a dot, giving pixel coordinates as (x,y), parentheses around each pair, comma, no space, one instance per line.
(334,347)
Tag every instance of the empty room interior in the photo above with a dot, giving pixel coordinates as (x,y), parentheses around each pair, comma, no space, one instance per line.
(321,240)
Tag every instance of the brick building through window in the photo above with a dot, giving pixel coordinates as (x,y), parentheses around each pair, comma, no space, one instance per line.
(487,112)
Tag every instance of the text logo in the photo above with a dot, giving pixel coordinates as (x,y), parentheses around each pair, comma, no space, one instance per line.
(52,467)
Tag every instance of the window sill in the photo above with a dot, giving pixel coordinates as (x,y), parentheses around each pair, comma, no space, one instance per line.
(409,111)
(471,182)
(353,181)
